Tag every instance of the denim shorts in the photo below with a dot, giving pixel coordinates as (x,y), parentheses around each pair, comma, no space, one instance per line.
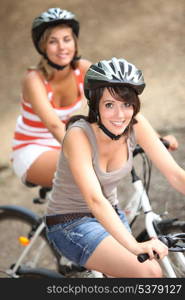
(77,239)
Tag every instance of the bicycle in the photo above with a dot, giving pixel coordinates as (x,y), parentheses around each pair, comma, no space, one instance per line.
(38,259)
(27,252)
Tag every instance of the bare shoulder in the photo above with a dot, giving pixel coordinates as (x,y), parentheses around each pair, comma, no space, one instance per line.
(32,81)
(140,118)
(32,75)
(84,65)
(142,122)
(75,141)
(145,133)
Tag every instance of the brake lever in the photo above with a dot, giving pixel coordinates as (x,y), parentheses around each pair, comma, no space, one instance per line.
(179,248)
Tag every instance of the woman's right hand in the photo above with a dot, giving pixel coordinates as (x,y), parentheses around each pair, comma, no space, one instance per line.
(153,247)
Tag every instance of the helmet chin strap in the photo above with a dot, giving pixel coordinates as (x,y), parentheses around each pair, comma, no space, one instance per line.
(53,65)
(109,133)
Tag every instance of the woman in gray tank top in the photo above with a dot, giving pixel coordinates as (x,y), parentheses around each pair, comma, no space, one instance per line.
(84,222)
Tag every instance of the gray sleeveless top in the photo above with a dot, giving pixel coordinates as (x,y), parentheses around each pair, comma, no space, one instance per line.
(66,196)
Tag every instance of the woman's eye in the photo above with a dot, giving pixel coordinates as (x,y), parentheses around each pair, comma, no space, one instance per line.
(52,41)
(126,104)
(67,39)
(108,105)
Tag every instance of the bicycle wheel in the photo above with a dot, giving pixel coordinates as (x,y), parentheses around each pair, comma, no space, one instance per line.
(164,227)
(16,222)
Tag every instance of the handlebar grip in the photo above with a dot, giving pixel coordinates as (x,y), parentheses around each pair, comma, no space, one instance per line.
(165,143)
(142,257)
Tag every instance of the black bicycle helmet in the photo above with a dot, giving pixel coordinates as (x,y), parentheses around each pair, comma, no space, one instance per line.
(113,72)
(52,17)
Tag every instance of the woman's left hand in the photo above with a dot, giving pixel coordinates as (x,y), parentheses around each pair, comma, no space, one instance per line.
(173,143)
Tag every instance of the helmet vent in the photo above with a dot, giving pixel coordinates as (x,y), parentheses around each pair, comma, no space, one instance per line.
(129,69)
(99,70)
(112,66)
(122,68)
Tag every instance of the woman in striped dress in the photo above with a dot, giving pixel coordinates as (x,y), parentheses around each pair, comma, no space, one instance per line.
(51,93)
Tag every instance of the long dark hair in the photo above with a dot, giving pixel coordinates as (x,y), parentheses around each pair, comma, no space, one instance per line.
(118,92)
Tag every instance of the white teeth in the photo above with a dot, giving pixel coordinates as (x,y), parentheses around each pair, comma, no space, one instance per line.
(117,123)
(62,55)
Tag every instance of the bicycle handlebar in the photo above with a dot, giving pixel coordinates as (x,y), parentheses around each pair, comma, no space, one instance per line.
(170,241)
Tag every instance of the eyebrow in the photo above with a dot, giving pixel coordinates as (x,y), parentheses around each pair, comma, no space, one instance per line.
(56,38)
(110,100)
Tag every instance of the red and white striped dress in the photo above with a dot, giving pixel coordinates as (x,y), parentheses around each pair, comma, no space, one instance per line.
(29,127)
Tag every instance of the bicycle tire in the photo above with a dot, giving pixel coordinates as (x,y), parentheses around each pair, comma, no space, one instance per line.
(164,227)
(26,272)
(16,221)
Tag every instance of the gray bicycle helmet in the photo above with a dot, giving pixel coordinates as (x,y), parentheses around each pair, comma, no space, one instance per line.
(52,17)
(113,72)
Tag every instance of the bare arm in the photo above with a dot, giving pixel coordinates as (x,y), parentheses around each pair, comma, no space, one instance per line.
(162,159)
(35,93)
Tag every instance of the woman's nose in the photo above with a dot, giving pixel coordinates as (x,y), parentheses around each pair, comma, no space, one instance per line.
(61,45)
(120,112)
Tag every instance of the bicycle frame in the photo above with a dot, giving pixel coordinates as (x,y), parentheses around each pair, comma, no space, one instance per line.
(38,231)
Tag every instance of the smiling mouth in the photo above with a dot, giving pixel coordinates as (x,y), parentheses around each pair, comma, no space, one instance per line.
(62,55)
(118,123)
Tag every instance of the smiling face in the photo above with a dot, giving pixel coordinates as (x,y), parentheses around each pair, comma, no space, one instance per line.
(115,114)
(60,45)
